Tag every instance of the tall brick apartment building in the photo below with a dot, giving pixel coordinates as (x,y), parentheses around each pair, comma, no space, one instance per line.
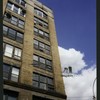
(31,64)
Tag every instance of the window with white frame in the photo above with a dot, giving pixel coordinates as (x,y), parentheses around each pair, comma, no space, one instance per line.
(14,74)
(8,50)
(40,13)
(17,53)
(22,2)
(11,51)
(16,8)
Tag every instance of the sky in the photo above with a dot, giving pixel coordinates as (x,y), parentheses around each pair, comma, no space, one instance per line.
(75,22)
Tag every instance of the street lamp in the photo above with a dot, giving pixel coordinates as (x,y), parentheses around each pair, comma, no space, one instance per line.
(94,98)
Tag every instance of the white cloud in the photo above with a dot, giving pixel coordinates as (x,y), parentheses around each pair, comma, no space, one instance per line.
(73,58)
(80,86)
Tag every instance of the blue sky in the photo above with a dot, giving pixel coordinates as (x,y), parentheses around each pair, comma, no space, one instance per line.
(75,22)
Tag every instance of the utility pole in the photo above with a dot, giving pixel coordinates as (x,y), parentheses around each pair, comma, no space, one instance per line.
(94,98)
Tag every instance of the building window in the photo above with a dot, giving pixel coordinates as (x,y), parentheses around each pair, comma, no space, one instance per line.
(21,23)
(36,31)
(17,53)
(10,95)
(14,20)
(35,60)
(42,82)
(40,23)
(13,34)
(8,50)
(16,9)
(36,43)
(41,62)
(10,72)
(19,37)
(12,52)
(9,5)
(41,47)
(22,2)
(41,34)
(14,74)
(5,30)
(40,13)
(7,17)
(6,71)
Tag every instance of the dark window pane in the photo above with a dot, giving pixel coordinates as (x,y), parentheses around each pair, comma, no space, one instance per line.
(35,84)
(6,71)
(43,79)
(42,60)
(46,25)
(21,24)
(18,1)
(15,9)
(50,88)
(47,52)
(9,5)
(35,63)
(36,31)
(41,65)
(22,13)
(36,77)
(19,37)
(48,62)
(5,29)
(49,68)
(14,20)
(4,97)
(7,17)
(47,47)
(43,86)
(12,98)
(11,33)
(45,16)
(23,3)
(36,44)
(41,47)
(50,81)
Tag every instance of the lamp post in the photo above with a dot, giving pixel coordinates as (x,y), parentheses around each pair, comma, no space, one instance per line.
(94,98)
